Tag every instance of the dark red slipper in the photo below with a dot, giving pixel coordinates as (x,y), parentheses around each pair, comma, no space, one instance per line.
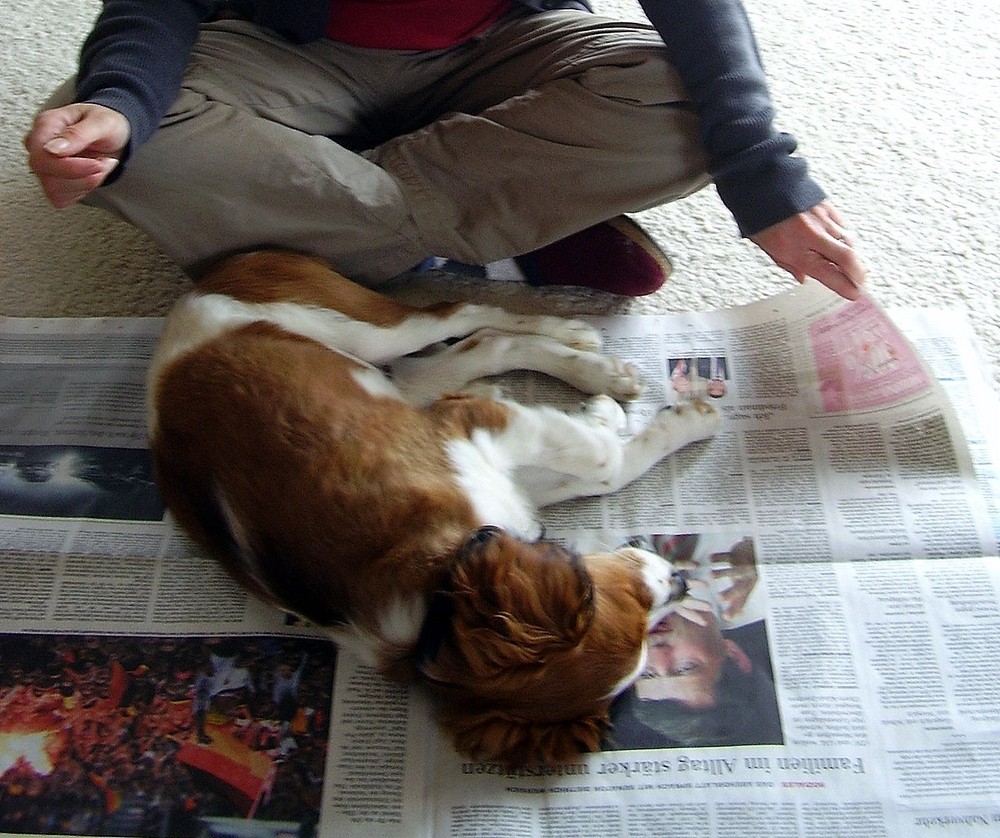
(616,256)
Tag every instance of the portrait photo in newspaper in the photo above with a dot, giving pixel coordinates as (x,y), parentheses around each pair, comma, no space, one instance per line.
(705,684)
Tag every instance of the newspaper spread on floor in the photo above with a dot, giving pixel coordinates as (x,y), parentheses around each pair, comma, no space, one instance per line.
(846,518)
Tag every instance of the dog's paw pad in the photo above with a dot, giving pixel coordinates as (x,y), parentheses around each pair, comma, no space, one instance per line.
(698,418)
(625,381)
(704,408)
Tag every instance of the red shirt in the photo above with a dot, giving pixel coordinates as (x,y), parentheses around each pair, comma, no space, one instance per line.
(411,24)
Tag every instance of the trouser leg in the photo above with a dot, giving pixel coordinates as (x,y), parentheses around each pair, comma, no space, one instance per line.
(561,120)
(239,182)
(543,126)
(245,159)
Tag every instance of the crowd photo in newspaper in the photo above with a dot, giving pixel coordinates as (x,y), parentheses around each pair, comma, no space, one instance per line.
(840,531)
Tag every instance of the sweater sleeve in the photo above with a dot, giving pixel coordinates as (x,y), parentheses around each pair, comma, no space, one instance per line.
(711,44)
(134,58)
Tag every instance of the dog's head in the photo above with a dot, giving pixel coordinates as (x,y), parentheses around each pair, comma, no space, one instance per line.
(528,644)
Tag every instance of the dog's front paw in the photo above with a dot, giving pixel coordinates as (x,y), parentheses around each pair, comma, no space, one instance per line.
(606,412)
(702,417)
(608,375)
(624,380)
(691,421)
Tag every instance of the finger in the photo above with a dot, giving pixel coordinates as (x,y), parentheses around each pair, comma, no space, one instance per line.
(49,126)
(692,617)
(833,224)
(695,604)
(837,282)
(840,247)
(684,564)
(837,267)
(848,237)
(695,585)
(839,233)
(63,192)
(78,131)
(825,209)
(62,137)
(70,168)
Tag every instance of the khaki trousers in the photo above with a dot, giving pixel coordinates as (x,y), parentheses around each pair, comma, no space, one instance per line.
(375,159)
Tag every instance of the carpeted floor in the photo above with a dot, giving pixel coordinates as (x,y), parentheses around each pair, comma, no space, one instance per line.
(893,102)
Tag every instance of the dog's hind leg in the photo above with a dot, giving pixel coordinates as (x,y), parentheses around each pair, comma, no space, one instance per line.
(306,297)
(423,378)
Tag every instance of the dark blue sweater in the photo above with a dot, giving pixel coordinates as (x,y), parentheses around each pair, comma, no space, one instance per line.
(135,57)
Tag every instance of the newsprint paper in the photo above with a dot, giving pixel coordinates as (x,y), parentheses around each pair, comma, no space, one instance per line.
(846,519)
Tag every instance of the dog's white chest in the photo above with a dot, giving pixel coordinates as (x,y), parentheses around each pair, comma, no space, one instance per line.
(483,470)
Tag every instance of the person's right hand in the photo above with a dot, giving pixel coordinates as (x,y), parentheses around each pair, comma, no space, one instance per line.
(816,243)
(73,149)
(738,568)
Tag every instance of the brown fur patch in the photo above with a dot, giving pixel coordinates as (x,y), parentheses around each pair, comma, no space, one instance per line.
(278,276)
(461,414)
(537,644)
(342,493)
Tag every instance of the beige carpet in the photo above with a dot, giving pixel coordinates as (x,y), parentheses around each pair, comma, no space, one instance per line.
(894,103)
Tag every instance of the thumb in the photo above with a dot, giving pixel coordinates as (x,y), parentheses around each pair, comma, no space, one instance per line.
(83,130)
(61,145)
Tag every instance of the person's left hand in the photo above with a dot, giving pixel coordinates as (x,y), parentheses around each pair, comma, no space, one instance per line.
(815,243)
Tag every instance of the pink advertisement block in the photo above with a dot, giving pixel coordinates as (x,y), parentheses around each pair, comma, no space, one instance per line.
(863,360)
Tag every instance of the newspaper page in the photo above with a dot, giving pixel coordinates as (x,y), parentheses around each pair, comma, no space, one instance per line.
(848,684)
(141,691)
(841,521)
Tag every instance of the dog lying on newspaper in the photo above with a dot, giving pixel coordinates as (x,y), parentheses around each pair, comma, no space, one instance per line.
(301,442)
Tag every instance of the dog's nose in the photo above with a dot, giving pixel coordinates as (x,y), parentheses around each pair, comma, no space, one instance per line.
(678,586)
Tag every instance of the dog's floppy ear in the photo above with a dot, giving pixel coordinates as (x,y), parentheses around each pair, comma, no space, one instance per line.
(495,736)
(515,603)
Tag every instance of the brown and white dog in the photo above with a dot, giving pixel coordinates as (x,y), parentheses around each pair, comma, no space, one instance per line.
(298,438)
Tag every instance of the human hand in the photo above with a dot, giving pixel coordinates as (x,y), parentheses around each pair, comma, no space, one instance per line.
(693,609)
(73,149)
(815,243)
(738,567)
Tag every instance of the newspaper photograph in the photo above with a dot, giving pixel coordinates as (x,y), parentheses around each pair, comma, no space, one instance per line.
(841,529)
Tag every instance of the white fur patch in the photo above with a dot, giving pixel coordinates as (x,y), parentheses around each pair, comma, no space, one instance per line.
(657,574)
(194,321)
(401,621)
(198,319)
(362,644)
(374,382)
(398,625)
(633,676)
(483,471)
